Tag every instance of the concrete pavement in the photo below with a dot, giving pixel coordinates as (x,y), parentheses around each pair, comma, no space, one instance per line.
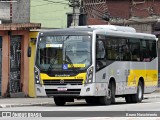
(19,102)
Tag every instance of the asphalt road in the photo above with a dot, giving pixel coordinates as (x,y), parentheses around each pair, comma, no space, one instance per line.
(81,111)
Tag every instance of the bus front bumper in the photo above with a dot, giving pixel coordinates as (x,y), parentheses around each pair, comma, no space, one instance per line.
(94,89)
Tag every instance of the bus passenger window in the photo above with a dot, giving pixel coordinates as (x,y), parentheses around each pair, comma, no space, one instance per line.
(135,53)
(127,54)
(146,56)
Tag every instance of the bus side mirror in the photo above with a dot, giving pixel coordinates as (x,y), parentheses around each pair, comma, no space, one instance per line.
(29,51)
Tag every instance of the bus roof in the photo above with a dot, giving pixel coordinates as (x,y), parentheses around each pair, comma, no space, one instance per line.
(90,28)
(67,31)
(109,27)
(111,30)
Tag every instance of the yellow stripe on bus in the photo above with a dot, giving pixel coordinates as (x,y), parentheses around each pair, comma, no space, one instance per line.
(150,77)
(79,76)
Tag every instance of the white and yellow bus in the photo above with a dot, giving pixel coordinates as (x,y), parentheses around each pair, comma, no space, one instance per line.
(97,63)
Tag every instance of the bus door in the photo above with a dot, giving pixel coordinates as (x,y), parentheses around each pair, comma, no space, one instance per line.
(101,69)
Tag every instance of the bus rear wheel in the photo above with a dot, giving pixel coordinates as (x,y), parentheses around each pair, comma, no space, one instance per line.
(59,101)
(138,97)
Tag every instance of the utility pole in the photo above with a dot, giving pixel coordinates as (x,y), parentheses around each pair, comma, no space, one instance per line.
(75,4)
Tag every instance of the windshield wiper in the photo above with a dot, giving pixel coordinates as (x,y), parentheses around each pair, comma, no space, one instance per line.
(70,62)
(51,65)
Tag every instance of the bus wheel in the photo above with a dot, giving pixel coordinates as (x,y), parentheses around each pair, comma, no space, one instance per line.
(113,90)
(106,100)
(59,101)
(139,95)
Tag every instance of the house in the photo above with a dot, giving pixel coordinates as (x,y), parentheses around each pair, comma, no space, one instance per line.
(14,41)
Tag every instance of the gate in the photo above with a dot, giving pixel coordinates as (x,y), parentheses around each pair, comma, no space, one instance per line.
(15,65)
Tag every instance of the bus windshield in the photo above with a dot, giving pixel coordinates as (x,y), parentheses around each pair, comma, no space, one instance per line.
(63,53)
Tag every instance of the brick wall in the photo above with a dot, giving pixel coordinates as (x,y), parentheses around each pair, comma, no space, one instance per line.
(93,21)
(143,28)
(125,9)
(146,9)
(119,8)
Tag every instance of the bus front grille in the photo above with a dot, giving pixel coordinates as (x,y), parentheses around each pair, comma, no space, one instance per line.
(63,82)
(54,92)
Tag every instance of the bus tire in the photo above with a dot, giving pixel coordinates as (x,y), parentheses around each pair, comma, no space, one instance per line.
(138,97)
(113,90)
(59,101)
(105,100)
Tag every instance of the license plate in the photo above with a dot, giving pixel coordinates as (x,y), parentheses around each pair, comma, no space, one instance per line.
(62,89)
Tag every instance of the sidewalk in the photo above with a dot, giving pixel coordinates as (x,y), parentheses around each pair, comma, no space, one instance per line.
(19,102)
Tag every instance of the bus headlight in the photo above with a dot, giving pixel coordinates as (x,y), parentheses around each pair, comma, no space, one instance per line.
(89,77)
(36,73)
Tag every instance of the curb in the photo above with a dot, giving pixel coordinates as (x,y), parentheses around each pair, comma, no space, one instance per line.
(152,95)
(21,105)
(146,96)
(157,91)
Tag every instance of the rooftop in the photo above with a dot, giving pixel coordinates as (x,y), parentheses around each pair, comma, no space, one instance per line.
(20,26)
